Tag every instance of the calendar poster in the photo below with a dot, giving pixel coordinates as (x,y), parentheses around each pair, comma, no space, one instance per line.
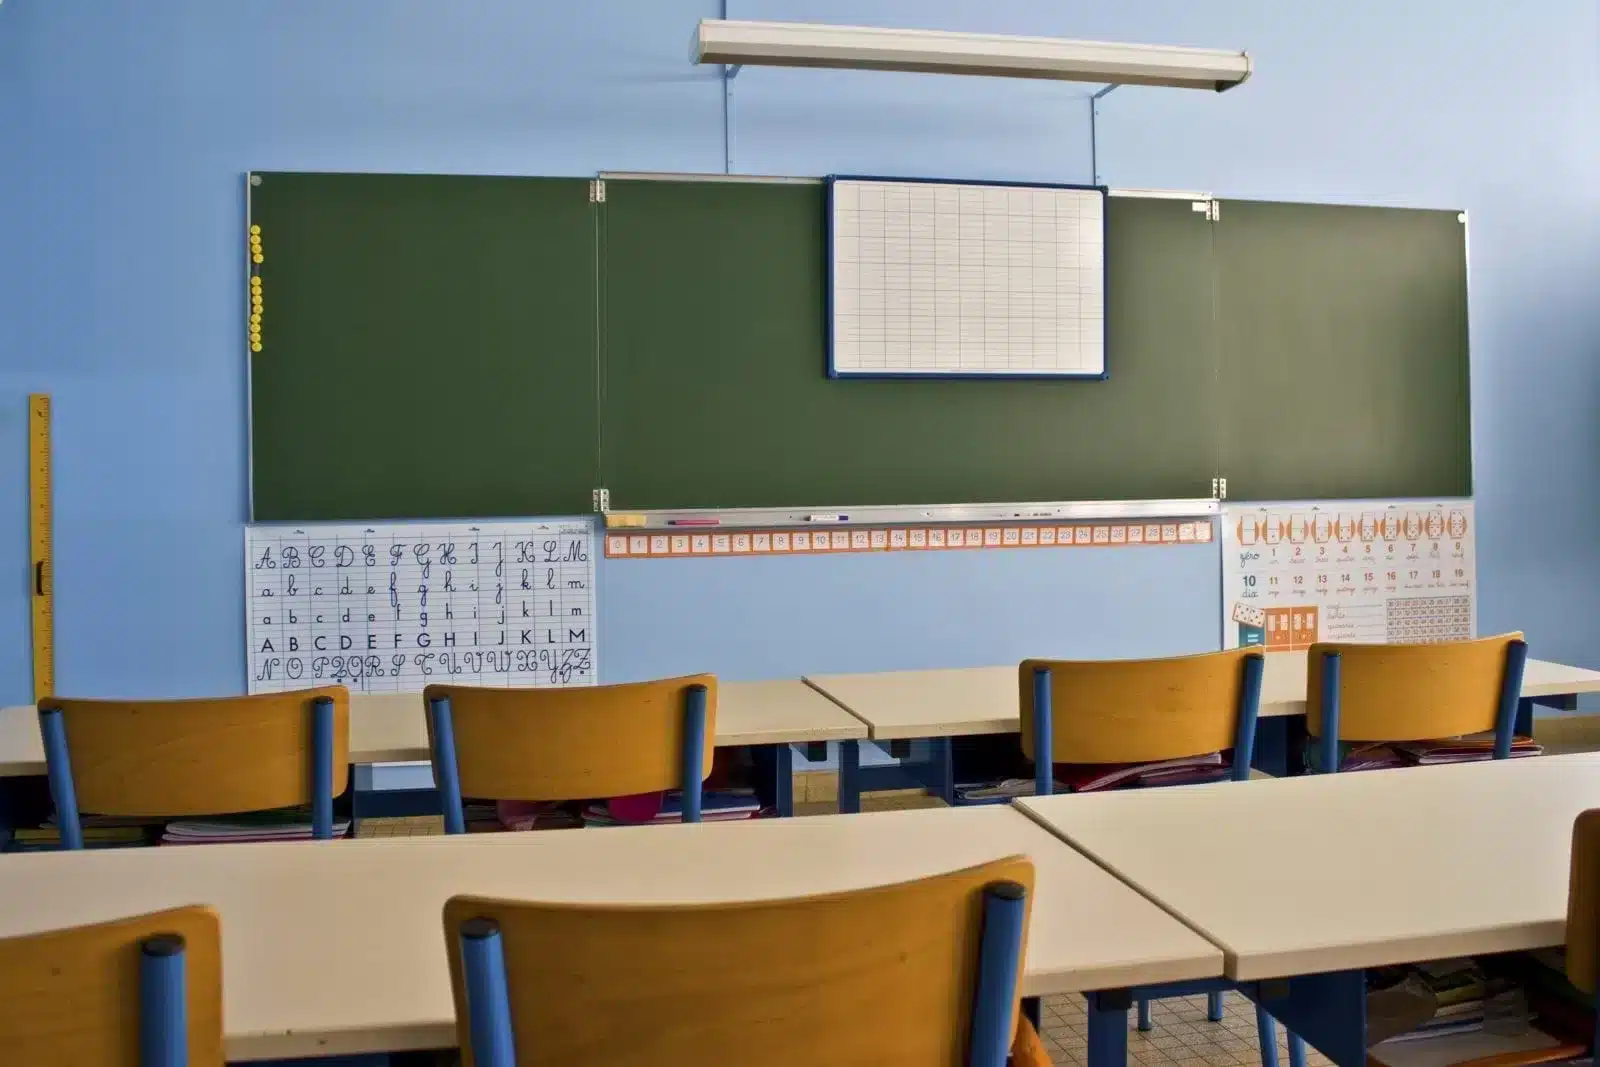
(1375,571)
(396,606)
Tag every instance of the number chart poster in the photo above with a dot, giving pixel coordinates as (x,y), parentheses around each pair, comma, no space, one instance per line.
(1347,570)
(397,606)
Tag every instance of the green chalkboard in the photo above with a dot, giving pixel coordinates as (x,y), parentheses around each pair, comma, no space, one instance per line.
(428,347)
(462,346)
(1344,351)
(715,392)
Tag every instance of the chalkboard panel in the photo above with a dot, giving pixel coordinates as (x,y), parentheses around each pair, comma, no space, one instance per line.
(716,394)
(428,347)
(436,347)
(1344,351)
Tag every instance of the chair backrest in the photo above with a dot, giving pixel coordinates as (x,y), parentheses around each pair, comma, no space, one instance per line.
(886,975)
(571,744)
(1139,710)
(1583,904)
(170,758)
(1413,692)
(81,995)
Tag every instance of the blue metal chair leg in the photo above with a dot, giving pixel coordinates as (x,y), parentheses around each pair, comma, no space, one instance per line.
(1214,1007)
(322,768)
(446,772)
(1145,1025)
(1044,768)
(483,961)
(163,1003)
(694,742)
(58,761)
(1297,1050)
(1267,1034)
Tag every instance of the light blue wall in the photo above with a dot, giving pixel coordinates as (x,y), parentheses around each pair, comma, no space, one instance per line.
(125,128)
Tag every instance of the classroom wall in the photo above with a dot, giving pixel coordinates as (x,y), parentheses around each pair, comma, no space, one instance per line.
(125,128)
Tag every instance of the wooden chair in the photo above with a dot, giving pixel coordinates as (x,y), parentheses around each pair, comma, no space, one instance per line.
(1375,693)
(138,992)
(1413,692)
(1145,711)
(924,972)
(174,758)
(571,744)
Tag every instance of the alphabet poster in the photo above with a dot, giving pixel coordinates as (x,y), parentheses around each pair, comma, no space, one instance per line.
(1378,571)
(397,606)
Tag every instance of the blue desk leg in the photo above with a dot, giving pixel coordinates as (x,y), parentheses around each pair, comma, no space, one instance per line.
(1524,724)
(849,777)
(1329,1011)
(783,783)
(1108,1027)
(1560,701)
(1271,752)
(944,770)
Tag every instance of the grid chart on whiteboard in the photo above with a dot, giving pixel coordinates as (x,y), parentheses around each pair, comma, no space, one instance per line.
(398,606)
(1379,571)
(936,278)
(906,539)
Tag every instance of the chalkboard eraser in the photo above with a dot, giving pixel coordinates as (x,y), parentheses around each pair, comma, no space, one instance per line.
(615,519)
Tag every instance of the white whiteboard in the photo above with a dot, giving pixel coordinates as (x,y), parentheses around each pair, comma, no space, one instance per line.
(1371,571)
(937,278)
(396,606)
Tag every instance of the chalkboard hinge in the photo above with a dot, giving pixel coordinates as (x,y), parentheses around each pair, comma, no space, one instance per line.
(597,191)
(601,499)
(1211,209)
(1219,489)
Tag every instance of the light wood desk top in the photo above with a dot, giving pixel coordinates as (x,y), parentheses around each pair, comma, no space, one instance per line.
(1322,873)
(337,947)
(389,727)
(983,700)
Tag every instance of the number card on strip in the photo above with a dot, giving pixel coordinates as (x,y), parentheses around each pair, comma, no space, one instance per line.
(396,606)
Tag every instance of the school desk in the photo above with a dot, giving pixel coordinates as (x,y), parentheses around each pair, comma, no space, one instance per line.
(1305,881)
(390,728)
(933,706)
(337,947)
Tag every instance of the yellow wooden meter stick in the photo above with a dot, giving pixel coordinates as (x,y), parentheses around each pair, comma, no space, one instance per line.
(43,575)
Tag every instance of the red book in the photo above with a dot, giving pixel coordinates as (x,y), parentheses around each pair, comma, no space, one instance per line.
(1090,777)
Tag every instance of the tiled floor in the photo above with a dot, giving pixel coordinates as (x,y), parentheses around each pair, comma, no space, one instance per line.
(1182,1037)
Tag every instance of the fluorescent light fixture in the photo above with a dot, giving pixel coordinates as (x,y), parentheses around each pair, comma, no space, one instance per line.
(800,44)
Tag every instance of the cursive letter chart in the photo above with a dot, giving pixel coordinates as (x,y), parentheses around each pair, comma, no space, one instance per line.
(393,607)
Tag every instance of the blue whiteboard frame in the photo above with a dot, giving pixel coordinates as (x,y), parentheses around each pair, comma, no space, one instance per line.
(1105,284)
